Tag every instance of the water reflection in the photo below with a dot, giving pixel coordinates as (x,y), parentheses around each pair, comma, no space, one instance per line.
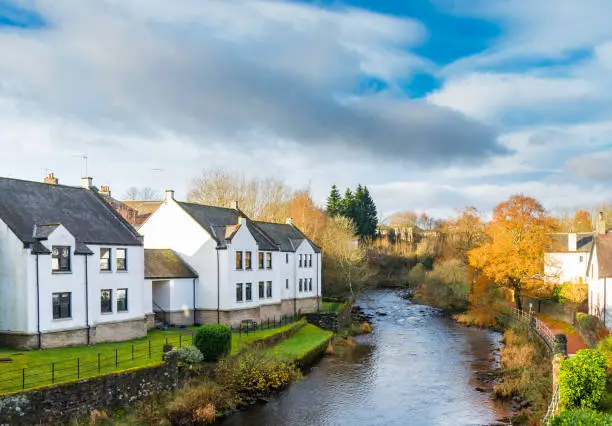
(417,368)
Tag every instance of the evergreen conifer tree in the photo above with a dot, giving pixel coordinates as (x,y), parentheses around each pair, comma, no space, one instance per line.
(347,204)
(370,214)
(334,202)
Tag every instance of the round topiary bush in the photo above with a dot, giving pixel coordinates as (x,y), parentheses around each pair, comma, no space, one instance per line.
(582,379)
(213,340)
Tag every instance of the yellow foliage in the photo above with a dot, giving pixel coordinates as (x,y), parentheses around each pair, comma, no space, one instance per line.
(365,328)
(576,293)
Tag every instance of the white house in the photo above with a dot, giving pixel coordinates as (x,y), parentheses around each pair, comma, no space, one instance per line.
(599,274)
(566,260)
(245,269)
(71,269)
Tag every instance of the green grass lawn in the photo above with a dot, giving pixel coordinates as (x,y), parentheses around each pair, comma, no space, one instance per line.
(302,342)
(29,369)
(331,306)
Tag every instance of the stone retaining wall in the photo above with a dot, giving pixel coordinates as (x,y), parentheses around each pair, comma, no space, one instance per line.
(61,403)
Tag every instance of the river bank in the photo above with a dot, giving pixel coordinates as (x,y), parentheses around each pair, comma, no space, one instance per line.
(417,367)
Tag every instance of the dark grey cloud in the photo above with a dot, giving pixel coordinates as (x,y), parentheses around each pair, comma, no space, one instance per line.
(111,68)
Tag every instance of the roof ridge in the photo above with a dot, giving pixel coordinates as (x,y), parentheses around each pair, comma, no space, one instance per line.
(205,205)
(44,183)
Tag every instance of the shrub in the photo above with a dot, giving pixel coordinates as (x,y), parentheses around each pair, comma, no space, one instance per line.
(255,372)
(582,379)
(189,355)
(584,417)
(571,292)
(365,328)
(195,404)
(213,341)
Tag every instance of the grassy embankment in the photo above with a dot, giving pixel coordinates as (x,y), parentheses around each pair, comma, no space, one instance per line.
(61,365)
(237,380)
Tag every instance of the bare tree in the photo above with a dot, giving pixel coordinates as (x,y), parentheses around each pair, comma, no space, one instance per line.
(263,199)
(147,193)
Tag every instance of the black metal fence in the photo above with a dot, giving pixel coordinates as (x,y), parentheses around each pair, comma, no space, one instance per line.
(248,326)
(15,378)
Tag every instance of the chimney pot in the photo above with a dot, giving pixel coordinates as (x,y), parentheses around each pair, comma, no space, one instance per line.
(87,182)
(51,179)
(236,205)
(169,194)
(105,190)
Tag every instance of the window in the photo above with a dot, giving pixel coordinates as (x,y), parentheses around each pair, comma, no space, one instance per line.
(300,264)
(106,301)
(105,262)
(122,300)
(269,289)
(247,259)
(122,259)
(310,260)
(238,260)
(581,259)
(310,284)
(60,259)
(239,292)
(300,285)
(61,305)
(287,283)
(286,257)
(249,291)
(261,289)
(268,260)
(260,256)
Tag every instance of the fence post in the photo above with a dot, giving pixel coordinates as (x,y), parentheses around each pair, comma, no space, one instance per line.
(116,358)
(23,378)
(52,373)
(247,330)
(149,348)
(78,368)
(132,352)
(98,363)
(180,341)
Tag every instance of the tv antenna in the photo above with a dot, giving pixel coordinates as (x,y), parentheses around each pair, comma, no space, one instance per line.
(84,157)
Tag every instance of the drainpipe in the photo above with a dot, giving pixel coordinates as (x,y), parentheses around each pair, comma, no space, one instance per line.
(317,272)
(194,301)
(294,286)
(38,305)
(87,302)
(218,287)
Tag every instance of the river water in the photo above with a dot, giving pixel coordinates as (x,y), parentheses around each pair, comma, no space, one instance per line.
(417,368)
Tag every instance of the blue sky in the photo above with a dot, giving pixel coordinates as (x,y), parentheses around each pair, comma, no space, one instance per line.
(434,104)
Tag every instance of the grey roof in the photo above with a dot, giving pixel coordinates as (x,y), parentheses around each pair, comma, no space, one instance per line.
(220,222)
(288,236)
(28,206)
(584,242)
(40,248)
(165,263)
(42,232)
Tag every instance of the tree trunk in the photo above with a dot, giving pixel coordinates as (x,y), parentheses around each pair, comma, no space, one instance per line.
(517,295)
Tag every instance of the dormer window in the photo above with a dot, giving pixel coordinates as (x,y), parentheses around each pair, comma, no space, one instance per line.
(105,259)
(60,259)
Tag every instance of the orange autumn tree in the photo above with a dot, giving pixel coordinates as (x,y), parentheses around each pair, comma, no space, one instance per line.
(582,221)
(513,256)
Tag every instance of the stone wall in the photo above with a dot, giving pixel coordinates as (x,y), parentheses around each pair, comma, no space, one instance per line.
(59,404)
(118,331)
(559,311)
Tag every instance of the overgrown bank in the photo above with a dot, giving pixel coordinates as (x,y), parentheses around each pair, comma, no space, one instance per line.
(213,390)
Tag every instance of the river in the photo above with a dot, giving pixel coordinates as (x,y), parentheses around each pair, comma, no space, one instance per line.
(417,368)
